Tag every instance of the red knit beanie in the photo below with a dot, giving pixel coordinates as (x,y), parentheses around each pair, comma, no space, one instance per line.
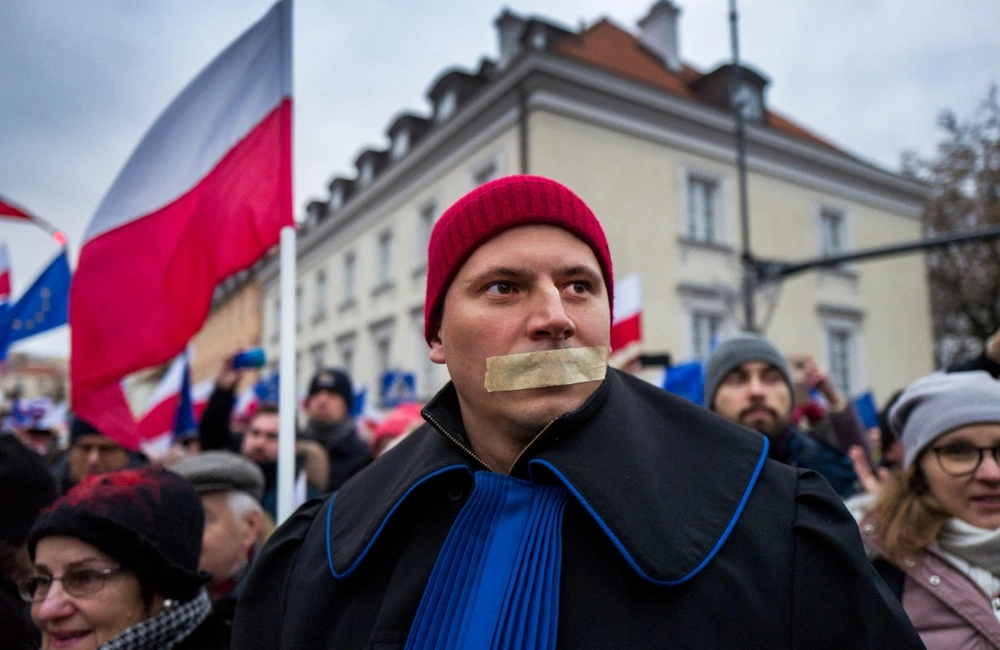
(493,208)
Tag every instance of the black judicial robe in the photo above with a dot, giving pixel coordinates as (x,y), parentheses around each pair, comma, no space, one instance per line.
(678,533)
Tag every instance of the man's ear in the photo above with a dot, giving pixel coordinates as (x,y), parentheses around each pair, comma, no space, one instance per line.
(437,349)
(252,523)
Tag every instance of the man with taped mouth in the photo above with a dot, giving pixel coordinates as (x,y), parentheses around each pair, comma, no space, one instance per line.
(550,502)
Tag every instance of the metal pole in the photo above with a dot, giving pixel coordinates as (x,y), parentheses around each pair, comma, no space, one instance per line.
(286,378)
(735,84)
(773,271)
(286,365)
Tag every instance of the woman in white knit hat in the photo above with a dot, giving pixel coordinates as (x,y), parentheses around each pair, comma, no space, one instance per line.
(935,528)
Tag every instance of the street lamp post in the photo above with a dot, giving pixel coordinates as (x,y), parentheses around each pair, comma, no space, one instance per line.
(736,102)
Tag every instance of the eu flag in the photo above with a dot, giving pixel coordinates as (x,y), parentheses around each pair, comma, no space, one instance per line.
(42,307)
(687,380)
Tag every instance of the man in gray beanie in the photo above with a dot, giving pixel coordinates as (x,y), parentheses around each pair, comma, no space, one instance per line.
(747,381)
(230,486)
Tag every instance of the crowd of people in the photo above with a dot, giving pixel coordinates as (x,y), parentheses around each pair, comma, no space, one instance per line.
(540,500)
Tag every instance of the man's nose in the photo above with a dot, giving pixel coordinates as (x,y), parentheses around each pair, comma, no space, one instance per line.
(549,318)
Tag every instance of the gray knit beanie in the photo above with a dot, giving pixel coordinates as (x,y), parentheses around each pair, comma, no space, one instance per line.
(736,351)
(936,404)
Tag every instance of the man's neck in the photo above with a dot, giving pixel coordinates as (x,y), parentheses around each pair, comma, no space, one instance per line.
(498,444)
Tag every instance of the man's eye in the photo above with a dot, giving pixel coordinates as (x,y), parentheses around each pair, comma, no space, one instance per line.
(580,287)
(500,288)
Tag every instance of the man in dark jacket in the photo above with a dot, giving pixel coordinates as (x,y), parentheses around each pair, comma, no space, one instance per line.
(553,503)
(328,409)
(747,381)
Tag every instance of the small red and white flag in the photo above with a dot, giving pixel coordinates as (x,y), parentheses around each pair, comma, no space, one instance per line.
(204,195)
(626,323)
(10,210)
(5,282)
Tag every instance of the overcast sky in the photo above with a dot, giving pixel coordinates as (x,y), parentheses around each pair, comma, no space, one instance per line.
(82,81)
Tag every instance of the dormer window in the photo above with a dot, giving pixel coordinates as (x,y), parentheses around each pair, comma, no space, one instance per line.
(367,174)
(337,199)
(538,38)
(446,107)
(400,144)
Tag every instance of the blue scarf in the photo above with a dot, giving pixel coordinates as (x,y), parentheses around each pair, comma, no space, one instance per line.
(495,584)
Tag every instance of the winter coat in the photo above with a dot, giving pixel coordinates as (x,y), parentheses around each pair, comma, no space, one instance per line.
(213,634)
(678,532)
(945,606)
(348,453)
(806,452)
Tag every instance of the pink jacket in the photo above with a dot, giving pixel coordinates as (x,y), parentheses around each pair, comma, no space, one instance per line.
(948,610)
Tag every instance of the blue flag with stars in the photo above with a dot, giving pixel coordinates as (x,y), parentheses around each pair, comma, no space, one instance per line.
(42,307)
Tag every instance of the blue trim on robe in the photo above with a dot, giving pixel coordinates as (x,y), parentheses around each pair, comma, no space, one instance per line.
(621,547)
(495,583)
(385,520)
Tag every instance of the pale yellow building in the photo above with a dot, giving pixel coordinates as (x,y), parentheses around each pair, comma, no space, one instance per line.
(648,143)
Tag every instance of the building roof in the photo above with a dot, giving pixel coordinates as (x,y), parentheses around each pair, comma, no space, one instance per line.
(606,45)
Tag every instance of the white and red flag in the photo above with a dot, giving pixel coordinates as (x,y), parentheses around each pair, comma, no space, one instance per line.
(204,195)
(5,282)
(626,321)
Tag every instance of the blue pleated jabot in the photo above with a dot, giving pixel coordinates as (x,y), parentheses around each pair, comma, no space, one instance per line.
(495,584)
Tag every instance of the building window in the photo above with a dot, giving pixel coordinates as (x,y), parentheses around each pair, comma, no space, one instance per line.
(320,311)
(383,259)
(832,233)
(425,385)
(298,308)
(383,350)
(367,174)
(347,345)
(485,173)
(702,210)
(349,278)
(400,144)
(318,354)
(425,225)
(841,357)
(705,330)
(446,106)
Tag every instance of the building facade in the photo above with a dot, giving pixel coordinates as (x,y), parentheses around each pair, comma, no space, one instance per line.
(648,143)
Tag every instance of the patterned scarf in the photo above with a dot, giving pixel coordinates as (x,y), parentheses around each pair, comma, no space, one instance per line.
(165,630)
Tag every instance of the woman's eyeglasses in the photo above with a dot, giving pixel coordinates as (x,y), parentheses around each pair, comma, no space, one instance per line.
(963,460)
(76,582)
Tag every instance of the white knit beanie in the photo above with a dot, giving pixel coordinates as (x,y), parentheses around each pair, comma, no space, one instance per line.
(936,404)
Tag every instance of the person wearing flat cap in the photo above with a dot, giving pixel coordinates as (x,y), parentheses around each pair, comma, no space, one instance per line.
(934,530)
(230,486)
(551,502)
(747,381)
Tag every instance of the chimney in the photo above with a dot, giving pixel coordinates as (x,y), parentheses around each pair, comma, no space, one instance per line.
(509,27)
(658,32)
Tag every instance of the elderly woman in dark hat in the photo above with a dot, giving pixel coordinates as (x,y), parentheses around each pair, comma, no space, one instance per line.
(116,566)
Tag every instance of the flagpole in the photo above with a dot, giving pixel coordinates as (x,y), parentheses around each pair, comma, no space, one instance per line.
(286,386)
(287,407)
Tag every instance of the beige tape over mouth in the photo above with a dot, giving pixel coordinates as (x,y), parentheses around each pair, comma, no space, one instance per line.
(546,368)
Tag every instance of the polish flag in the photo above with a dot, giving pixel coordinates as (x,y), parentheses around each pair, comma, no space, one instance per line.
(5,284)
(204,195)
(157,421)
(10,210)
(200,393)
(626,324)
